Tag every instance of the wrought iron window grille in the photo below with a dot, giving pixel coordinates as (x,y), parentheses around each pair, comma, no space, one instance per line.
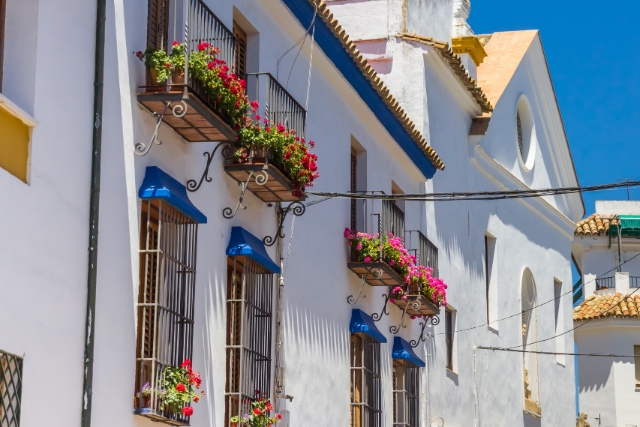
(10,389)
(250,298)
(168,248)
(366,388)
(406,394)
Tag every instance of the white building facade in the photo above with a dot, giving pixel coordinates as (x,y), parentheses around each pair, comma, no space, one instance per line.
(499,258)
(294,321)
(606,251)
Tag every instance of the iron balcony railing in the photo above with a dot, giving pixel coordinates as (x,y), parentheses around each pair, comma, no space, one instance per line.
(610,282)
(378,217)
(425,251)
(276,104)
(392,219)
(10,389)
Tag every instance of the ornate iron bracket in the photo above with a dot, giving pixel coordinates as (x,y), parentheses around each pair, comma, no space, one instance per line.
(434,320)
(351,300)
(261,178)
(141,149)
(376,316)
(415,304)
(227,153)
(297,209)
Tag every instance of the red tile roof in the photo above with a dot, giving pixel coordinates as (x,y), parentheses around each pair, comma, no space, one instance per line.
(608,305)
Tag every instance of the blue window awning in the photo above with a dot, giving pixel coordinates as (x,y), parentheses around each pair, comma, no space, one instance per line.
(403,350)
(363,323)
(157,184)
(243,243)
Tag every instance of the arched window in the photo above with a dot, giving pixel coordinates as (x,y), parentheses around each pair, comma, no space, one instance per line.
(529,342)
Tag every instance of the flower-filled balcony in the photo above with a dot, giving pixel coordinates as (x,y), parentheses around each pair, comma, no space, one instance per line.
(272,157)
(190,85)
(381,259)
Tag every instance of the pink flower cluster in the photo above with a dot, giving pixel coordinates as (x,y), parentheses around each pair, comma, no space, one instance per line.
(418,278)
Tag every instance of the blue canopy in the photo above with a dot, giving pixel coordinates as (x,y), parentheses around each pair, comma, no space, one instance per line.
(243,243)
(157,184)
(403,350)
(362,322)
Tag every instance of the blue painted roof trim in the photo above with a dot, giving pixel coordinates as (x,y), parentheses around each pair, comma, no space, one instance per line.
(243,243)
(363,323)
(403,350)
(158,184)
(303,10)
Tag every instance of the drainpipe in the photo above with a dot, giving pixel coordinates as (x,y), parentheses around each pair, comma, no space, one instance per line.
(94,210)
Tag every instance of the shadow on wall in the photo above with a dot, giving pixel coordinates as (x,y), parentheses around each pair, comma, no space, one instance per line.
(599,370)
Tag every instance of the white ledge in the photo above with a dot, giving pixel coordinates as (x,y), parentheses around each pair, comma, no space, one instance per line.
(12,108)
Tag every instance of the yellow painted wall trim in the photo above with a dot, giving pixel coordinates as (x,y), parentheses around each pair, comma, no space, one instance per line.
(12,108)
(470,45)
(15,139)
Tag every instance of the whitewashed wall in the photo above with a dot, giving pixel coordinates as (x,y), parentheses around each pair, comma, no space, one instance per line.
(44,224)
(607,385)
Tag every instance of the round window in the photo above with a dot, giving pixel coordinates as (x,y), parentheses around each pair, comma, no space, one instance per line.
(525,134)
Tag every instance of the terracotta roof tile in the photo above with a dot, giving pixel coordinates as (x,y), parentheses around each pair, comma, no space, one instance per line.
(376,82)
(595,225)
(458,69)
(608,305)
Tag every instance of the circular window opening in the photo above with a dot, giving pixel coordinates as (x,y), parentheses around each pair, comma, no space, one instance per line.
(525,133)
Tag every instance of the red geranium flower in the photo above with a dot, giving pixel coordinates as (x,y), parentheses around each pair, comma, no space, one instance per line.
(180,387)
(257,411)
(187,411)
(279,416)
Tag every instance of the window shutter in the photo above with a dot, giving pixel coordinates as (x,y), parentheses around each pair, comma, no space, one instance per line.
(636,360)
(3,17)
(157,24)
(241,51)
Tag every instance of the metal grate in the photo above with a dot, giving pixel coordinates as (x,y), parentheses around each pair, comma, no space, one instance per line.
(406,395)
(519,124)
(392,219)
(426,252)
(168,246)
(605,283)
(277,105)
(10,389)
(354,187)
(366,393)
(250,291)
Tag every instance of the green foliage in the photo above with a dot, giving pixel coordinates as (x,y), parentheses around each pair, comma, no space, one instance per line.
(259,416)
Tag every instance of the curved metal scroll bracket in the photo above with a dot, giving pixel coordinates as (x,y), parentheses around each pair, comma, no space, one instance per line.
(261,178)
(414,305)
(141,149)
(227,153)
(434,320)
(297,209)
(351,300)
(376,317)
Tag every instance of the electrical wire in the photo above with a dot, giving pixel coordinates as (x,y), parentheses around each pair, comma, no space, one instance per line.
(483,195)
(552,353)
(540,305)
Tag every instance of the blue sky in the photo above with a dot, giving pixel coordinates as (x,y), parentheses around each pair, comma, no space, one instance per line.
(593,54)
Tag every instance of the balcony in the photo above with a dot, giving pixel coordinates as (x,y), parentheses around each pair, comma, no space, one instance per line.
(261,172)
(184,105)
(385,218)
(425,251)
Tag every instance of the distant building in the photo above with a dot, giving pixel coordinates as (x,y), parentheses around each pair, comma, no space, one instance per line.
(608,321)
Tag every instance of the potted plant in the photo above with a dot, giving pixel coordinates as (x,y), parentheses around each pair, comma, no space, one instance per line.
(177,389)
(224,88)
(262,142)
(259,416)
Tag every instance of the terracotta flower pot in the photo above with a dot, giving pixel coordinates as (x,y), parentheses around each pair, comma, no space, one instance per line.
(258,155)
(177,79)
(152,81)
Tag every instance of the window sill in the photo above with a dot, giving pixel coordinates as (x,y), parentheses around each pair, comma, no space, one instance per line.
(451,372)
(9,106)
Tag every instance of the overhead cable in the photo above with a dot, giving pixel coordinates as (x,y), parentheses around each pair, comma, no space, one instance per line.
(482,195)
(553,353)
